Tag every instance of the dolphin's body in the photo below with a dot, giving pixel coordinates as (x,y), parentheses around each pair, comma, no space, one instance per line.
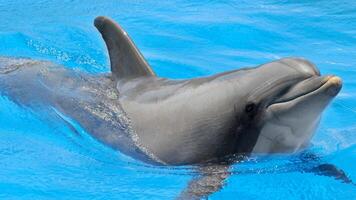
(271,108)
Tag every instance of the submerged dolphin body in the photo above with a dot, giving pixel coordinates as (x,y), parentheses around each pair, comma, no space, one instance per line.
(272,108)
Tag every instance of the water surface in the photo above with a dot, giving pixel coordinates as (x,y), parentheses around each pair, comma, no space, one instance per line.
(41,158)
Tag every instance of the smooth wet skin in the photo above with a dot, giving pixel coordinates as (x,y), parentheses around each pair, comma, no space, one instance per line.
(272,108)
(294,118)
(209,118)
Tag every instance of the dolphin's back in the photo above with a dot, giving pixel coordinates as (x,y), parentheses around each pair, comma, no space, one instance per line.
(91,100)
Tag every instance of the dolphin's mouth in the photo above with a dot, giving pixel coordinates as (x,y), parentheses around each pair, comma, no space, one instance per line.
(331,85)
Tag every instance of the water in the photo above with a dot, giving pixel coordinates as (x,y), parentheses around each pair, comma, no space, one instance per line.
(41,158)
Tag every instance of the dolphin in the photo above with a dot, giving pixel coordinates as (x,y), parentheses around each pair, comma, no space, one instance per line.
(272,108)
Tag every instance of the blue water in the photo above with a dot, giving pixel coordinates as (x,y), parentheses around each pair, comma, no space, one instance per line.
(41,158)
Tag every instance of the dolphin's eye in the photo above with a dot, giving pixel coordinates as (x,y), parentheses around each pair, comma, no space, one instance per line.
(250,107)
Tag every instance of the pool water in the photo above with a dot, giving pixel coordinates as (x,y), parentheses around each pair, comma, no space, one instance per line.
(41,158)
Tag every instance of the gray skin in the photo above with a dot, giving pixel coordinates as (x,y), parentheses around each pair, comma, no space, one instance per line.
(272,108)
(241,111)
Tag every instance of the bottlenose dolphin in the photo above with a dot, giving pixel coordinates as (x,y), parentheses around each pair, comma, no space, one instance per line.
(274,107)
(271,108)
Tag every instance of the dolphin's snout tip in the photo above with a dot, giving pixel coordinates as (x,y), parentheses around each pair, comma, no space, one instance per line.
(335,84)
(335,80)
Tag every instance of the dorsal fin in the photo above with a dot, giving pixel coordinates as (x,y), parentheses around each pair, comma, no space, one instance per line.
(125,59)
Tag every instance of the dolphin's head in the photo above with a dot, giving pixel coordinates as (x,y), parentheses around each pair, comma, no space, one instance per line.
(286,105)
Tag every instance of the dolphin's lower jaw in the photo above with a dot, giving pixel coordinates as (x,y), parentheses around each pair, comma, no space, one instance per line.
(294,117)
